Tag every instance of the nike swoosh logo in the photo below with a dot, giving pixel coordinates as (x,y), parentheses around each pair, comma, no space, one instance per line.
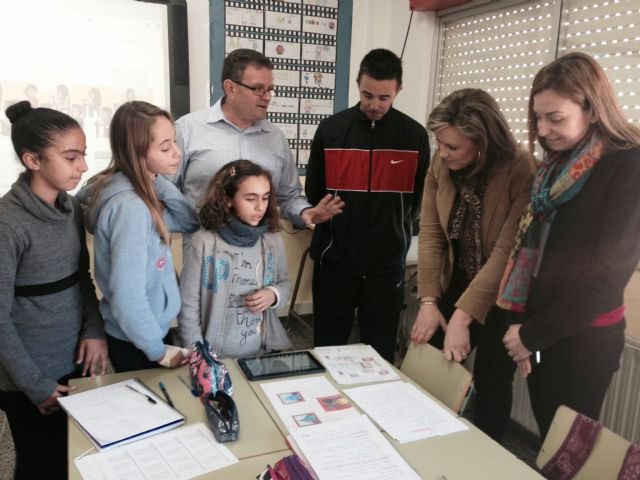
(393,162)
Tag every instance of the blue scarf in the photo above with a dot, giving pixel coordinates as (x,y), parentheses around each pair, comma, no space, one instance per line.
(239,234)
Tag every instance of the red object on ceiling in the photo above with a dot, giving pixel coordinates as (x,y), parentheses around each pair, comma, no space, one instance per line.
(434,5)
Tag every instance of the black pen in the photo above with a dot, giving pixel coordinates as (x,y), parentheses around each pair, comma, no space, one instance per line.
(151,400)
(165,393)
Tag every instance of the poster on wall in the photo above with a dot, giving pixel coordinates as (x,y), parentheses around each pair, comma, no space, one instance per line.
(300,37)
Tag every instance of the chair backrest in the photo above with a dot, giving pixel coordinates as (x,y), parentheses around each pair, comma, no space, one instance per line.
(606,458)
(448,381)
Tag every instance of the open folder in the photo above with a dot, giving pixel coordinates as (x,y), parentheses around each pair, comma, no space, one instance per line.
(120,413)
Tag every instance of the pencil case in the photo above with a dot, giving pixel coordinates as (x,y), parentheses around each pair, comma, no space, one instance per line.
(290,467)
(223,416)
(208,373)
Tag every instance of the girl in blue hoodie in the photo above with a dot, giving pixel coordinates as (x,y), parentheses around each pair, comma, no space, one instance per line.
(132,209)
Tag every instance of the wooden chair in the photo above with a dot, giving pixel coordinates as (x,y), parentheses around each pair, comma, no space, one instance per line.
(606,458)
(292,314)
(448,381)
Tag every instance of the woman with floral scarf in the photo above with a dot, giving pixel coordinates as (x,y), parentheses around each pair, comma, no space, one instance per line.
(578,241)
(475,190)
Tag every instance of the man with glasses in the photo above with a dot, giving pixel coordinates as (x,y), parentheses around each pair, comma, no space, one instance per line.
(235,128)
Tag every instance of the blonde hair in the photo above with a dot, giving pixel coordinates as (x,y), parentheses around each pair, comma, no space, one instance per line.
(476,114)
(579,78)
(130,139)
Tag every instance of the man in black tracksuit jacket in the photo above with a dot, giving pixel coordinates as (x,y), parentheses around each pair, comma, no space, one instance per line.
(375,158)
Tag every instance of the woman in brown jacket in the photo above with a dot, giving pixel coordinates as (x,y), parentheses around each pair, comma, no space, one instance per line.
(475,189)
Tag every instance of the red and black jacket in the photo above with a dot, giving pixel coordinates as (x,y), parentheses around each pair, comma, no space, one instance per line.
(378,169)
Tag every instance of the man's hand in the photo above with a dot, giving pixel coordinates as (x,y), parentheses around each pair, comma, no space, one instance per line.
(323,211)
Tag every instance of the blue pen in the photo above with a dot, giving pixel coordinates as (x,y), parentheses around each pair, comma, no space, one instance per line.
(165,393)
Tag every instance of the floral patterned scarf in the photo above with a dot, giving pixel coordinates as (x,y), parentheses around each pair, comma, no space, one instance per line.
(464,221)
(557,182)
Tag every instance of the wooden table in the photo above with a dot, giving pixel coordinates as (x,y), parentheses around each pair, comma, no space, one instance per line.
(469,455)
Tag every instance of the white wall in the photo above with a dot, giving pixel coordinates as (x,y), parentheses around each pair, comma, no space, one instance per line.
(198,27)
(383,24)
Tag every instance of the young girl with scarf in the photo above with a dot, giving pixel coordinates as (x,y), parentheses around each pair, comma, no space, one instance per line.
(235,271)
(578,241)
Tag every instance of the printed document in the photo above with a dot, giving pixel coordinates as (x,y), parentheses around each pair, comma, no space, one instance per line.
(349,364)
(351,449)
(177,455)
(307,401)
(405,412)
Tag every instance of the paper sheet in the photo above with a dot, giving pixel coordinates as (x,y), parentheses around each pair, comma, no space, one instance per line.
(349,364)
(351,449)
(307,401)
(405,412)
(180,454)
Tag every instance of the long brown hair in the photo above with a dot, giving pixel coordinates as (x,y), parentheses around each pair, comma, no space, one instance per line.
(579,78)
(130,138)
(216,212)
(476,114)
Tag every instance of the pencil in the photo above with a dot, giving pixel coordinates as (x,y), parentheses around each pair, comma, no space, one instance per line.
(150,399)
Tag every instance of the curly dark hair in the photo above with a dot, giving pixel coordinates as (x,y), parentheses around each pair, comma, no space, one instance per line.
(216,212)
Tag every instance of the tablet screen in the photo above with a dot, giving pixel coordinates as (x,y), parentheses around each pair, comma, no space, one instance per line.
(279,365)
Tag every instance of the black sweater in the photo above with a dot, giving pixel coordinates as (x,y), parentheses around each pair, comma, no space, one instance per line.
(591,252)
(378,169)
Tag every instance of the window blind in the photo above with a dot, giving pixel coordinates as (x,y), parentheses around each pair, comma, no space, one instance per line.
(610,32)
(499,51)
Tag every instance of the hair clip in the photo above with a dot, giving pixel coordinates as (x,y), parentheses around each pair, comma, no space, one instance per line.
(232,172)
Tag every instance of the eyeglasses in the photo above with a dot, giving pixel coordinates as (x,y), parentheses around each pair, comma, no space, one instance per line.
(257,91)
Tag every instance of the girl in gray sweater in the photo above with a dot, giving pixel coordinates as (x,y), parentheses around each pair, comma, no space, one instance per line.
(49,320)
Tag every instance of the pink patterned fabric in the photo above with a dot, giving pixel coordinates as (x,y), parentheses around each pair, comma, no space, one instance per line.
(574,451)
(208,373)
(631,466)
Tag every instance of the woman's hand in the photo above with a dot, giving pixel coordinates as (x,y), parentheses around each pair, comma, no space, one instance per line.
(524,367)
(456,340)
(93,355)
(50,405)
(516,349)
(427,322)
(260,300)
